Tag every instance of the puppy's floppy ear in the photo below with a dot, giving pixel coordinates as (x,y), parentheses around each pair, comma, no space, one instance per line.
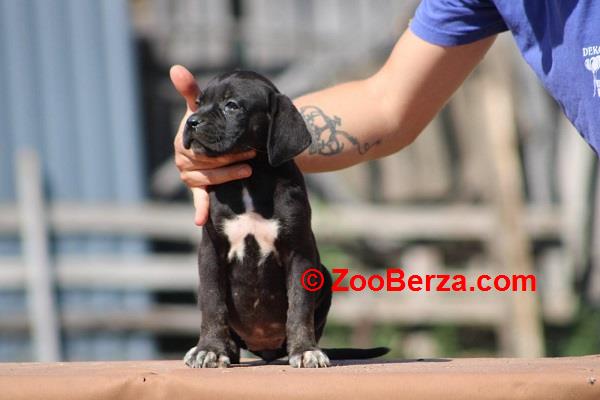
(288,135)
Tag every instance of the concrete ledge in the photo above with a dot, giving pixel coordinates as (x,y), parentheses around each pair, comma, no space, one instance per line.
(499,378)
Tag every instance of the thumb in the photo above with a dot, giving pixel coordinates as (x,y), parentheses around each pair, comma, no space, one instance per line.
(186,85)
(201,203)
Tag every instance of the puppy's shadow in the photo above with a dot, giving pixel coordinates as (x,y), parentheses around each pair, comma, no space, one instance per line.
(343,363)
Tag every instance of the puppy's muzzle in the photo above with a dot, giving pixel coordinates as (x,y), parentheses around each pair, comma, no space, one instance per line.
(191,125)
(193,121)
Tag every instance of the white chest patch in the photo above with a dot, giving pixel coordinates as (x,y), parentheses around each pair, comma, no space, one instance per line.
(250,223)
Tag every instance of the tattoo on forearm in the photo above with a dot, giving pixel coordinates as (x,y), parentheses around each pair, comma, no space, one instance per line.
(328,139)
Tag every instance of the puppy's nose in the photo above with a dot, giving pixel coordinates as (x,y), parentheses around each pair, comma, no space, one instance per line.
(193,121)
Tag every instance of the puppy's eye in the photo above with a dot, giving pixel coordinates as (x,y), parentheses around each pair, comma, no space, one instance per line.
(231,106)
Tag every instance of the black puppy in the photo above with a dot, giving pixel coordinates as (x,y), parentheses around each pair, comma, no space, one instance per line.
(258,240)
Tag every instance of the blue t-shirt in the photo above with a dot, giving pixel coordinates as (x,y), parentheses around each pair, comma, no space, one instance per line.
(559,39)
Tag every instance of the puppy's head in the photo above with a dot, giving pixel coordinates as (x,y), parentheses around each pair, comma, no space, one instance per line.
(242,110)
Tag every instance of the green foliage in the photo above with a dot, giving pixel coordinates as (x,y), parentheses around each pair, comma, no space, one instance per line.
(447,339)
(336,336)
(334,257)
(585,335)
(390,336)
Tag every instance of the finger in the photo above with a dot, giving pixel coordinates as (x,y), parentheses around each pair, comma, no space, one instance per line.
(184,163)
(215,176)
(220,161)
(186,85)
(187,160)
(201,204)
(232,158)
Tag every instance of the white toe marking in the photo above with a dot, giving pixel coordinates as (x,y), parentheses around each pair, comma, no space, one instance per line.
(223,361)
(310,359)
(189,356)
(265,231)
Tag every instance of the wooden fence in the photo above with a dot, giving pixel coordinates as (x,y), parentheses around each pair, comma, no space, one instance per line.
(39,273)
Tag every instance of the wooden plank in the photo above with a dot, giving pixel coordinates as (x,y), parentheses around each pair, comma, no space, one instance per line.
(523,335)
(341,222)
(347,309)
(411,308)
(560,302)
(168,222)
(159,319)
(143,272)
(454,222)
(575,170)
(39,281)
(593,290)
(421,171)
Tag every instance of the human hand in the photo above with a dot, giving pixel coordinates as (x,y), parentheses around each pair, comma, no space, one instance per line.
(198,171)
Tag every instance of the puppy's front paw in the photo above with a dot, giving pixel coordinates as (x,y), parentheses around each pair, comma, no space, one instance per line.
(309,359)
(203,358)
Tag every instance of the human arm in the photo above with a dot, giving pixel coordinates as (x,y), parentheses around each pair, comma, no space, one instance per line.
(375,117)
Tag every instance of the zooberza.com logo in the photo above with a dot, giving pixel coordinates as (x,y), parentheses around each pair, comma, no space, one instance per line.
(396,280)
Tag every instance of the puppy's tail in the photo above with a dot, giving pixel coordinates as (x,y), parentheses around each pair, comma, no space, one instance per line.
(355,354)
